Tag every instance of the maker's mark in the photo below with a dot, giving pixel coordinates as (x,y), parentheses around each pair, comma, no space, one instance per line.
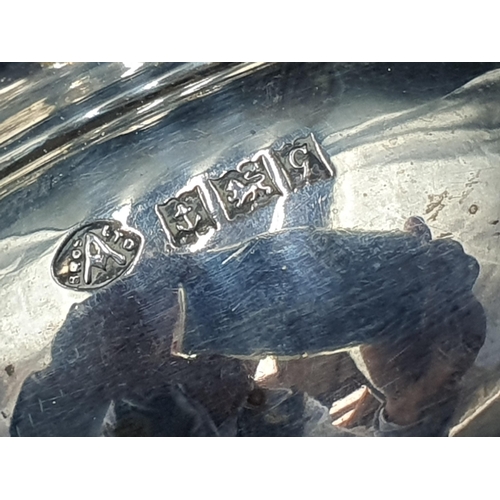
(95,255)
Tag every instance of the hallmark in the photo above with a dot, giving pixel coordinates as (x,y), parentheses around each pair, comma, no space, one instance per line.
(243,190)
(250,185)
(95,255)
(186,217)
(304,163)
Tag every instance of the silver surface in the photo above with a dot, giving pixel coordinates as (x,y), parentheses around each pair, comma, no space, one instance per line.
(80,143)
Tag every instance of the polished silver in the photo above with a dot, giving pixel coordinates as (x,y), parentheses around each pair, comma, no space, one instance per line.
(253,300)
(82,143)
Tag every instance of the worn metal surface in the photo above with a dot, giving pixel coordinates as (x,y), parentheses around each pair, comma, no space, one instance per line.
(86,143)
(310,292)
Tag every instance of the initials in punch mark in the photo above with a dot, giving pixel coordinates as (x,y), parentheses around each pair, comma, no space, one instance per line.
(95,255)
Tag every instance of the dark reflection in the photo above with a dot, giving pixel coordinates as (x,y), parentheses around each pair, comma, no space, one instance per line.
(420,380)
(170,414)
(122,354)
(403,299)
(313,291)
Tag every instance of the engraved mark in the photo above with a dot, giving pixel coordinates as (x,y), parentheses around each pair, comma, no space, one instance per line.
(303,162)
(248,187)
(128,244)
(185,218)
(301,165)
(187,223)
(106,231)
(96,255)
(241,194)
(74,267)
(74,280)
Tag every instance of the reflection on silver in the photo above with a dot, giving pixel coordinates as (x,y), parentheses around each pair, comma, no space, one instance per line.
(310,292)
(398,150)
(34,309)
